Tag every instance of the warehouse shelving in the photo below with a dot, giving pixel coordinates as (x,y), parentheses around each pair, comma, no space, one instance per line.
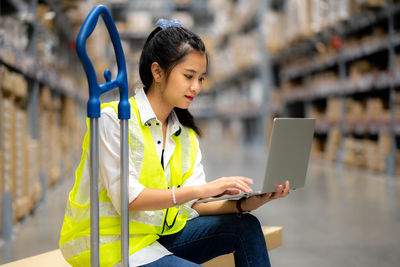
(27,102)
(28,66)
(301,96)
(238,71)
(63,24)
(303,80)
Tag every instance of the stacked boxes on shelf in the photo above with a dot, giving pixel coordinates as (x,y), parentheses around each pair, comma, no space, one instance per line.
(366,153)
(333,144)
(369,110)
(300,19)
(7,143)
(19,164)
(67,115)
(235,58)
(14,143)
(44,133)
(22,196)
(54,142)
(333,110)
(377,161)
(274,27)
(342,74)
(375,110)
(49,136)
(240,51)
(354,111)
(22,158)
(73,128)
(35,189)
(1,157)
(398,164)
(36,49)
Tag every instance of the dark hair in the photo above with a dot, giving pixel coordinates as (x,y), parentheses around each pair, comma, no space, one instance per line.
(168,48)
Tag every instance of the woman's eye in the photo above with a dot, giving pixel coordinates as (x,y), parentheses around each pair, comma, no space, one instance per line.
(188,76)
(201,79)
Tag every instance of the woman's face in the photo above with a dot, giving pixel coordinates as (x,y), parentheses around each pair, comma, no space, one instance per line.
(185,80)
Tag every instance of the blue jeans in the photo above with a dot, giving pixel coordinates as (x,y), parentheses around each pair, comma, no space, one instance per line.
(206,237)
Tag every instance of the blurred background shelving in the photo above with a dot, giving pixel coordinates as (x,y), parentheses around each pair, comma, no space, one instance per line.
(340,66)
(41,104)
(332,60)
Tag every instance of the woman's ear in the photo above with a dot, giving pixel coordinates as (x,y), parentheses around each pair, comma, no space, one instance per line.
(157,72)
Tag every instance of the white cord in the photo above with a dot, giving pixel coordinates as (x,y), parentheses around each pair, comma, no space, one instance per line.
(173,197)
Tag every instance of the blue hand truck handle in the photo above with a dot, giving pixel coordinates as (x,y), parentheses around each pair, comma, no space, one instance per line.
(121,81)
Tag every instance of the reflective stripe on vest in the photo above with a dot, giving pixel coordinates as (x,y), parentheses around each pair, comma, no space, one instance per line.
(145,226)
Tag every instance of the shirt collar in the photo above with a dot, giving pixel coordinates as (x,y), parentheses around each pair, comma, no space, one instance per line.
(147,114)
(174,123)
(145,110)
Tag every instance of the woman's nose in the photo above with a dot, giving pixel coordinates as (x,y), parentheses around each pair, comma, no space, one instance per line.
(196,86)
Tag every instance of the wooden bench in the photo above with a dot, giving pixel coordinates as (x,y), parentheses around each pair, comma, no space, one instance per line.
(273,238)
(54,258)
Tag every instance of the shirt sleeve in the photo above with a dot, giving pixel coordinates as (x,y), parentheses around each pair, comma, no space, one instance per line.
(110,160)
(197,178)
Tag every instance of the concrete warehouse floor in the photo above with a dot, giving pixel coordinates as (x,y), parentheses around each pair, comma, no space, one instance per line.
(343,217)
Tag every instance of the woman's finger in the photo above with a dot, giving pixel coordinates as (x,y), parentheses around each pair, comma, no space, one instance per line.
(286,190)
(231,191)
(241,183)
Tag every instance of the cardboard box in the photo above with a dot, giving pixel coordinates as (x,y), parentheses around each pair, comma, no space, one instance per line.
(139,21)
(319,15)
(51,258)
(44,139)
(359,68)
(333,143)
(7,143)
(333,109)
(317,149)
(45,98)
(35,189)
(374,109)
(398,164)
(366,4)
(21,164)
(1,162)
(355,110)
(14,82)
(54,171)
(273,238)
(8,135)
(274,27)
(20,86)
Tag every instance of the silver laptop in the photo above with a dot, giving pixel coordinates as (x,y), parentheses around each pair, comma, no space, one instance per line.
(288,156)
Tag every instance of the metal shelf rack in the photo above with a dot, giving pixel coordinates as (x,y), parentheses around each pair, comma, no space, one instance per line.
(370,83)
(32,68)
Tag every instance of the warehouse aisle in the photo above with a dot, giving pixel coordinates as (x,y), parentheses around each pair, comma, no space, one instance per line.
(39,232)
(343,217)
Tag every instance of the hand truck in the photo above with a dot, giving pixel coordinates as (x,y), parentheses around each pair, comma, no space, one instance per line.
(93,112)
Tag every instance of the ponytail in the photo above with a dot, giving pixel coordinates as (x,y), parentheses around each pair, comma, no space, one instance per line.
(186,119)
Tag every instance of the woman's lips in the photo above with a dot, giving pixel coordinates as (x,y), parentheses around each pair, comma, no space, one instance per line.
(189,97)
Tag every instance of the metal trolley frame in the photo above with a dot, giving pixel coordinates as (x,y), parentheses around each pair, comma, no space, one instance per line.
(93,112)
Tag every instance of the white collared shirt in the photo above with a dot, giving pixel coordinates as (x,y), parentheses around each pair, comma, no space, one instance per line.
(109,174)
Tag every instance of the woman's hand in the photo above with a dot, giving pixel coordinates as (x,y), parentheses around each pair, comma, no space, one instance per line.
(225,186)
(254,202)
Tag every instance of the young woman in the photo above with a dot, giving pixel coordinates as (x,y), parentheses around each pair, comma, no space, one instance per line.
(167,226)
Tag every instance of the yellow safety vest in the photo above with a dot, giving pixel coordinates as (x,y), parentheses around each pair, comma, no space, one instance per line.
(144,226)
